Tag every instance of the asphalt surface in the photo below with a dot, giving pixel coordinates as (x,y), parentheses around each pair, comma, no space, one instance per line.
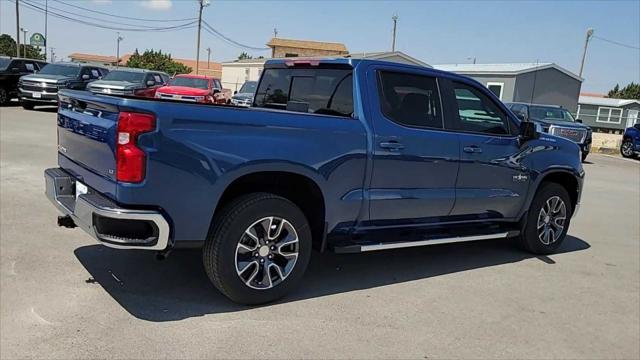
(63,296)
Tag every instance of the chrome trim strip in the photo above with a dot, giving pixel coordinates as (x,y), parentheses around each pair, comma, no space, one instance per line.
(407,244)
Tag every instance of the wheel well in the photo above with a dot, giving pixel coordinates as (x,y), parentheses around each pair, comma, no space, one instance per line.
(567,181)
(298,189)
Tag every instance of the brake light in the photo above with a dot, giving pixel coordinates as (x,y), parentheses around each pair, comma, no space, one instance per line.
(308,62)
(130,159)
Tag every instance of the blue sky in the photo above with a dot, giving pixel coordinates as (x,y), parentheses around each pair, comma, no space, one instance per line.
(434,32)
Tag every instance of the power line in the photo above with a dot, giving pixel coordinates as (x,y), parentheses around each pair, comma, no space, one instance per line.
(211,30)
(64,17)
(120,16)
(67,12)
(617,43)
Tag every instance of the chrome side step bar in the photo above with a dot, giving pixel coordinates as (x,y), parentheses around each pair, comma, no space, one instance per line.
(406,244)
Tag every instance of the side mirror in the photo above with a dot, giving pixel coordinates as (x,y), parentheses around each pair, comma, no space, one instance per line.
(216,91)
(85,77)
(528,131)
(151,83)
(235,92)
(579,121)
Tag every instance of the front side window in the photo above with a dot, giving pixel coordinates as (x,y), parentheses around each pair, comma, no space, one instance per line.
(411,100)
(316,91)
(477,113)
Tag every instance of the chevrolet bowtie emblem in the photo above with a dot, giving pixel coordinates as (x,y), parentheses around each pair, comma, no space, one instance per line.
(520,177)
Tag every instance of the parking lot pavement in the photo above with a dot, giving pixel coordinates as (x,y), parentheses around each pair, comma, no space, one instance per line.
(63,296)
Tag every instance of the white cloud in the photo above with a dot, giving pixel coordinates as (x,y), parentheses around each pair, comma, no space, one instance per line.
(157,4)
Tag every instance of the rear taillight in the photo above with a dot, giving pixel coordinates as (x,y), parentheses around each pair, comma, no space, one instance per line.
(130,159)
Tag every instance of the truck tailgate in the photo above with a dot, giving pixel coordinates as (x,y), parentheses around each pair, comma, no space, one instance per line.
(87,135)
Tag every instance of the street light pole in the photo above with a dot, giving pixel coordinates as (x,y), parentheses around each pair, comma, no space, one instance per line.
(202,4)
(24,38)
(395,21)
(119,38)
(584,51)
(208,58)
(17,29)
(46,38)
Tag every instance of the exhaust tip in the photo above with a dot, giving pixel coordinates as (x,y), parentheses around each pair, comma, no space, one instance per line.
(66,221)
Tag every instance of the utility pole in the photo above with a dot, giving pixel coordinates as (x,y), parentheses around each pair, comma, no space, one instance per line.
(119,38)
(208,58)
(46,37)
(24,37)
(17,29)
(395,21)
(584,52)
(202,4)
(53,54)
(275,32)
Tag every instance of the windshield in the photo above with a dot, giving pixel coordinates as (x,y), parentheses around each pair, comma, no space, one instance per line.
(65,70)
(248,87)
(190,82)
(128,76)
(4,63)
(549,113)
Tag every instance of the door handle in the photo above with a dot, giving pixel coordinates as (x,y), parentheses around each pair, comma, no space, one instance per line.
(391,145)
(472,149)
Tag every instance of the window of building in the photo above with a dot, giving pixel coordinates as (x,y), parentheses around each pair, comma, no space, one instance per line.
(477,113)
(290,55)
(496,88)
(411,100)
(609,115)
(317,91)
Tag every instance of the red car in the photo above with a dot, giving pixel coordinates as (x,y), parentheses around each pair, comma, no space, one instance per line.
(195,88)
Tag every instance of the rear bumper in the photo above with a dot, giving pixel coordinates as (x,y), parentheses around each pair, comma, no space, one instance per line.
(103,219)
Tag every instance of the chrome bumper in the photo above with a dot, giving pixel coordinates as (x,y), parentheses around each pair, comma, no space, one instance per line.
(87,209)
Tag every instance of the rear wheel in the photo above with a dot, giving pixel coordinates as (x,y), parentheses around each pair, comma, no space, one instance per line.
(547,220)
(4,97)
(584,156)
(258,249)
(626,149)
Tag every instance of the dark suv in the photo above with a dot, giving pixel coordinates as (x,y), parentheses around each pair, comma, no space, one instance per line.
(11,69)
(42,88)
(556,120)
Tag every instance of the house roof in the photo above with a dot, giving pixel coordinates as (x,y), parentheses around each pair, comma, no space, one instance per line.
(601,101)
(384,55)
(246,62)
(503,69)
(307,44)
(93,58)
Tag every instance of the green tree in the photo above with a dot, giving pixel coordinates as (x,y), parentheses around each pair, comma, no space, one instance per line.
(8,48)
(156,60)
(631,91)
(244,56)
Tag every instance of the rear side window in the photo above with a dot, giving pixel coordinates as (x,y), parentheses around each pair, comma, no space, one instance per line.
(411,100)
(316,91)
(477,113)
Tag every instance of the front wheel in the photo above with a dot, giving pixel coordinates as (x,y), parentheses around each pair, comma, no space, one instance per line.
(27,105)
(626,149)
(258,248)
(548,220)
(4,97)
(584,156)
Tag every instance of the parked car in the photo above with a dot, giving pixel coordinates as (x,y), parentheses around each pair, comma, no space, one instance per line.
(130,81)
(347,155)
(557,121)
(631,142)
(193,88)
(244,97)
(42,88)
(11,69)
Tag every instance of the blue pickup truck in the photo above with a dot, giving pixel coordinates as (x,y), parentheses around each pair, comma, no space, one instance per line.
(339,155)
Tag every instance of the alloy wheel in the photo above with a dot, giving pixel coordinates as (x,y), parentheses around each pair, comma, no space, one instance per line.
(627,148)
(267,253)
(551,220)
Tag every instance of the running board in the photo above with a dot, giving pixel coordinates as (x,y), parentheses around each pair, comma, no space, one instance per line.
(406,244)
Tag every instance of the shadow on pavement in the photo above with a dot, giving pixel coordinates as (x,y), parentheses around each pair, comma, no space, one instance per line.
(178,288)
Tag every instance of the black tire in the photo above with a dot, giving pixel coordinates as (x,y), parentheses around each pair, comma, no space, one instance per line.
(626,149)
(529,238)
(584,156)
(27,105)
(4,97)
(219,252)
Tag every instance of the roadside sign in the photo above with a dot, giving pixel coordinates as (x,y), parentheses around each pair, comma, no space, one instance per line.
(37,40)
